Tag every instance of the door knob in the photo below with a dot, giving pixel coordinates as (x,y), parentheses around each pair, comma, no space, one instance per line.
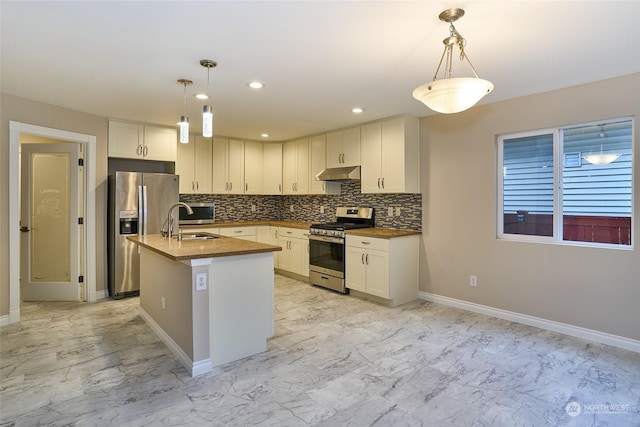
(24,229)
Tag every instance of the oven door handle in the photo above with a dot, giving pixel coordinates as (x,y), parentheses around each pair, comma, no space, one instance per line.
(326,239)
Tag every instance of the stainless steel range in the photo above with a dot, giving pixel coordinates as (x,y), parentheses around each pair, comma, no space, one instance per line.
(327,249)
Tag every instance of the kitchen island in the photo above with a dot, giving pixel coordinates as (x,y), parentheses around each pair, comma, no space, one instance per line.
(210,301)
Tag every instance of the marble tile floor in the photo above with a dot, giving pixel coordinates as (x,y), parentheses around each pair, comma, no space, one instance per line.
(334,361)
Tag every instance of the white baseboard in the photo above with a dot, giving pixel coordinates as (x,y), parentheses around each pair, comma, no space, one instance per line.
(4,320)
(195,368)
(101,294)
(549,325)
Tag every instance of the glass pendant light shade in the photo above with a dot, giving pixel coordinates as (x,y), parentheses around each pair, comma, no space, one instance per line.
(184,129)
(452,95)
(601,159)
(207,121)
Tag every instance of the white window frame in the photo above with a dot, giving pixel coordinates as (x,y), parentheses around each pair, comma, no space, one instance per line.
(558,165)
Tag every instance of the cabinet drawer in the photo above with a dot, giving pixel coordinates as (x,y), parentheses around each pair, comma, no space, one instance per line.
(237,231)
(296,233)
(368,243)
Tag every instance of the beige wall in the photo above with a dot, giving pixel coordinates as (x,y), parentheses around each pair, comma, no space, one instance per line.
(593,288)
(35,113)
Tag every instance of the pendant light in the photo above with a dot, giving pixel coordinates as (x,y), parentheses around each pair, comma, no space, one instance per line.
(601,158)
(452,95)
(184,119)
(207,111)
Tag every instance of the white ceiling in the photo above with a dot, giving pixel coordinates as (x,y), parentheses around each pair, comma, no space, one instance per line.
(318,58)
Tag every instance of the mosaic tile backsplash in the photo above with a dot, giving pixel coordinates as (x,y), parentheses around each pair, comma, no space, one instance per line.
(307,208)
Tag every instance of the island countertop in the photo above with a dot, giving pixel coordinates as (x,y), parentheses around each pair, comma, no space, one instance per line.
(194,248)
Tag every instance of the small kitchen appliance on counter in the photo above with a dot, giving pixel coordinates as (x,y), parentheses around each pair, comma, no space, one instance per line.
(327,246)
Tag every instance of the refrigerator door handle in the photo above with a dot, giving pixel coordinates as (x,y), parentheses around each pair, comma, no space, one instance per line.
(143,208)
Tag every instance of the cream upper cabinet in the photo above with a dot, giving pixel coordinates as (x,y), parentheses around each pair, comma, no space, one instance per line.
(228,166)
(193,164)
(295,170)
(343,148)
(253,164)
(385,268)
(317,162)
(272,168)
(137,141)
(391,156)
(160,143)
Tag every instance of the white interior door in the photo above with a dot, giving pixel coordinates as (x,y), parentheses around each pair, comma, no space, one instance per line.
(49,256)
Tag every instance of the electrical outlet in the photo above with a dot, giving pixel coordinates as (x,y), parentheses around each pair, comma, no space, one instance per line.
(473,281)
(253,208)
(201,281)
(390,211)
(291,208)
(398,211)
(164,303)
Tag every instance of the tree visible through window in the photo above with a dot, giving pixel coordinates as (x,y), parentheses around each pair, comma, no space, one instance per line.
(568,184)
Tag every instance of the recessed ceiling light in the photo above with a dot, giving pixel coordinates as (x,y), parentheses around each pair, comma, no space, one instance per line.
(255,85)
(265,135)
(357,110)
(201,96)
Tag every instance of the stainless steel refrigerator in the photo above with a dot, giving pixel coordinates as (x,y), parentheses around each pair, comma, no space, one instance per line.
(138,204)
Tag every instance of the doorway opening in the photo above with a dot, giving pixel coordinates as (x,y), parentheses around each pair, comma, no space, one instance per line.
(88,252)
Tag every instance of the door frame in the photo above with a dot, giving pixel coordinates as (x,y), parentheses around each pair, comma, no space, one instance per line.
(89,249)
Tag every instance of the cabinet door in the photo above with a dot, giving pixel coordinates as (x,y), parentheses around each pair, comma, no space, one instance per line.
(272,169)
(295,256)
(355,268)
(371,152)
(377,273)
(263,234)
(235,167)
(219,165)
(302,183)
(273,239)
(334,149)
(126,140)
(202,164)
(317,162)
(392,150)
(351,147)
(185,154)
(305,254)
(290,167)
(284,262)
(160,143)
(252,167)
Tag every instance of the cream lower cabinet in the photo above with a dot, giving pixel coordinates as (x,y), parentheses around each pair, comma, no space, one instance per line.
(273,240)
(384,268)
(293,251)
(245,233)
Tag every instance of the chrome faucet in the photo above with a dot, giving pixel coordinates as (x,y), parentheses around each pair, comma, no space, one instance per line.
(170,219)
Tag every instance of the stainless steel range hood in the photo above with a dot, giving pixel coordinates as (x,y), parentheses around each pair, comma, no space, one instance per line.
(349,173)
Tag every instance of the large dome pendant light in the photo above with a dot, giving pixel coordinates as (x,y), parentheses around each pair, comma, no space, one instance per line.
(183,124)
(452,95)
(207,111)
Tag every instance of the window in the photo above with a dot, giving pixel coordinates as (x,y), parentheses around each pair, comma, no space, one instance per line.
(571,184)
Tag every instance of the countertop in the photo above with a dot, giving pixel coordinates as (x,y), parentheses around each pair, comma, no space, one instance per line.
(381,233)
(193,249)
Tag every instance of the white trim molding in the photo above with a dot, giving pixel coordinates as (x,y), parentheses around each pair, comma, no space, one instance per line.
(549,325)
(195,368)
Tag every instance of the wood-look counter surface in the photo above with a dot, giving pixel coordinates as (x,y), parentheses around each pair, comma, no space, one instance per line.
(194,248)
